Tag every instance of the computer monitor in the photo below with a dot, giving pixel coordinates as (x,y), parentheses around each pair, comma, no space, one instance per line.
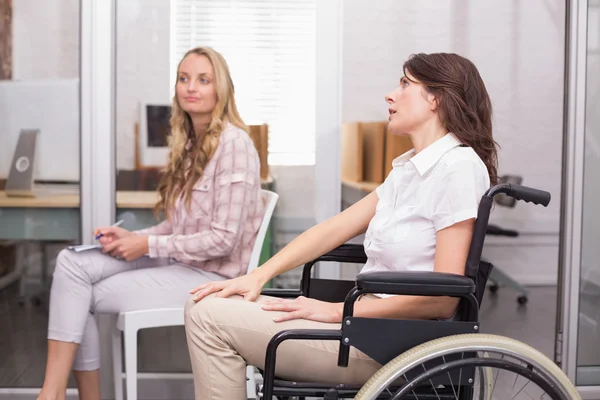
(52,108)
(155,128)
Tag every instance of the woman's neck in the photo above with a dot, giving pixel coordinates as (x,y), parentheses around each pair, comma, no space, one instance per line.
(427,135)
(200,122)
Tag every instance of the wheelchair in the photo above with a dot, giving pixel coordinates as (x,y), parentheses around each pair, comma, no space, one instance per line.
(421,359)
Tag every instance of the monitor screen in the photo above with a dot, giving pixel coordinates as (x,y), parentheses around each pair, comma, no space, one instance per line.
(158,125)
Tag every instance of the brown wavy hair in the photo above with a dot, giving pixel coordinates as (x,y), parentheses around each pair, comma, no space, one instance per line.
(464,106)
(186,164)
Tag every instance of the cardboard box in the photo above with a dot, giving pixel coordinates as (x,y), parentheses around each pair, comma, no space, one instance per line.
(368,149)
(260,137)
(373,136)
(352,152)
(395,146)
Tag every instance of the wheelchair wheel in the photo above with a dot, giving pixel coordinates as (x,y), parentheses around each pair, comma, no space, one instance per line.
(487,353)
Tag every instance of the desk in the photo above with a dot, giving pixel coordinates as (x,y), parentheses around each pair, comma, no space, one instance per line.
(55,215)
(353,191)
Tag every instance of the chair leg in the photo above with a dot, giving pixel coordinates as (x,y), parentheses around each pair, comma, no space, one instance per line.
(250,383)
(117,358)
(503,279)
(130,336)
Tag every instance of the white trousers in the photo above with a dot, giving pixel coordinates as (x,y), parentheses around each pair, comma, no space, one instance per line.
(92,282)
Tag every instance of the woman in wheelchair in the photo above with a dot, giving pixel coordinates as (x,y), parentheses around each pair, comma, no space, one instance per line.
(420,219)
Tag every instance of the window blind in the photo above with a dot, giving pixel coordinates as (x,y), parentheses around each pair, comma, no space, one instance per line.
(270,48)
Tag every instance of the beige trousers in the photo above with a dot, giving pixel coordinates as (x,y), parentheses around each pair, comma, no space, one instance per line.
(224,335)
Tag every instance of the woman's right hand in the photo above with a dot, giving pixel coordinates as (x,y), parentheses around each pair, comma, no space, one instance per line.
(249,286)
(110,234)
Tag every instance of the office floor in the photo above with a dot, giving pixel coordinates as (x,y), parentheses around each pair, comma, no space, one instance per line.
(23,346)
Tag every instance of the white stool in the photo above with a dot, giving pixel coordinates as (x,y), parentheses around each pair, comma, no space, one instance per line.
(130,323)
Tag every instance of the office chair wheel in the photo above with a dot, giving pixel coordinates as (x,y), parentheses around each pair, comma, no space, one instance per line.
(484,353)
(522,299)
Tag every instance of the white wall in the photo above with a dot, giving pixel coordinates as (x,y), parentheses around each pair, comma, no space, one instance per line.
(517,46)
(45,39)
(142,67)
(523,74)
(518,49)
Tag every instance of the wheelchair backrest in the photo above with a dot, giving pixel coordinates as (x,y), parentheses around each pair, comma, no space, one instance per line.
(479,271)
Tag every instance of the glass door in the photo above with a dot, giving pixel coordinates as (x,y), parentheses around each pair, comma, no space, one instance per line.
(580,325)
(588,336)
(40,174)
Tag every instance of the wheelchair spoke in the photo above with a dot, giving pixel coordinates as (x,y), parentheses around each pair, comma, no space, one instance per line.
(462,356)
(496,379)
(450,377)
(431,382)
(406,380)
(524,386)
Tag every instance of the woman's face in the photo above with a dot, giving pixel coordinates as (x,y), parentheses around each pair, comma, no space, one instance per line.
(195,87)
(411,106)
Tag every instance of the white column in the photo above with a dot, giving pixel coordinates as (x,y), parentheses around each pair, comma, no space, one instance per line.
(98,138)
(328,117)
(97,116)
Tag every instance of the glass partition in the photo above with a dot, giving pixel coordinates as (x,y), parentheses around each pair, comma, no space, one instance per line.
(588,351)
(39,172)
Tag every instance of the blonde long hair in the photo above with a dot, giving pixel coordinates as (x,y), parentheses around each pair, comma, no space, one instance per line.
(187,163)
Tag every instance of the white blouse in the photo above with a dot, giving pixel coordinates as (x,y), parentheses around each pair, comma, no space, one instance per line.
(426,192)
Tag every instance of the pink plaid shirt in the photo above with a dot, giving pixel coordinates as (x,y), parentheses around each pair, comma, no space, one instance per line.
(218,231)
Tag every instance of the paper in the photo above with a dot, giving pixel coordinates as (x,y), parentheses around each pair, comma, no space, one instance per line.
(84,247)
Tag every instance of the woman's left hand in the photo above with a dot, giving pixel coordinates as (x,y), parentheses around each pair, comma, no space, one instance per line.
(128,248)
(304,308)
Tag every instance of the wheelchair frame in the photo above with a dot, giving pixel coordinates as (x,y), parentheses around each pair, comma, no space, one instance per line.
(379,338)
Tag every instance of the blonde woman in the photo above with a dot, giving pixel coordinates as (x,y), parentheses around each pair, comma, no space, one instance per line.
(210,195)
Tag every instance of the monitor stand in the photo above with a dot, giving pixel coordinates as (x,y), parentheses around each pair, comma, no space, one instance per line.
(20,179)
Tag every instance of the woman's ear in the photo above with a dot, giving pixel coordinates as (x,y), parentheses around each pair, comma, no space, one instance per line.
(433,102)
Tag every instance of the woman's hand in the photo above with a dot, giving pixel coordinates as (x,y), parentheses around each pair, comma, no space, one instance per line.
(305,308)
(248,286)
(110,234)
(129,247)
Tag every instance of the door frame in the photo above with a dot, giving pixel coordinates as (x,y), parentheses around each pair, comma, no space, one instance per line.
(572,192)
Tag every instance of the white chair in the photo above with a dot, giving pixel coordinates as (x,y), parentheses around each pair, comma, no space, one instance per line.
(131,322)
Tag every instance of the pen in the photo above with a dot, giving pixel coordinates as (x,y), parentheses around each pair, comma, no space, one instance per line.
(115,224)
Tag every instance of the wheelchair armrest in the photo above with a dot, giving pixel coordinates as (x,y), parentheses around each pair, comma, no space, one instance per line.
(346,253)
(415,283)
(408,283)
(283,293)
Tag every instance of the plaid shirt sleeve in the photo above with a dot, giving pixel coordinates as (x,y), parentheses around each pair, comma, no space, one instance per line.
(236,176)
(163,228)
